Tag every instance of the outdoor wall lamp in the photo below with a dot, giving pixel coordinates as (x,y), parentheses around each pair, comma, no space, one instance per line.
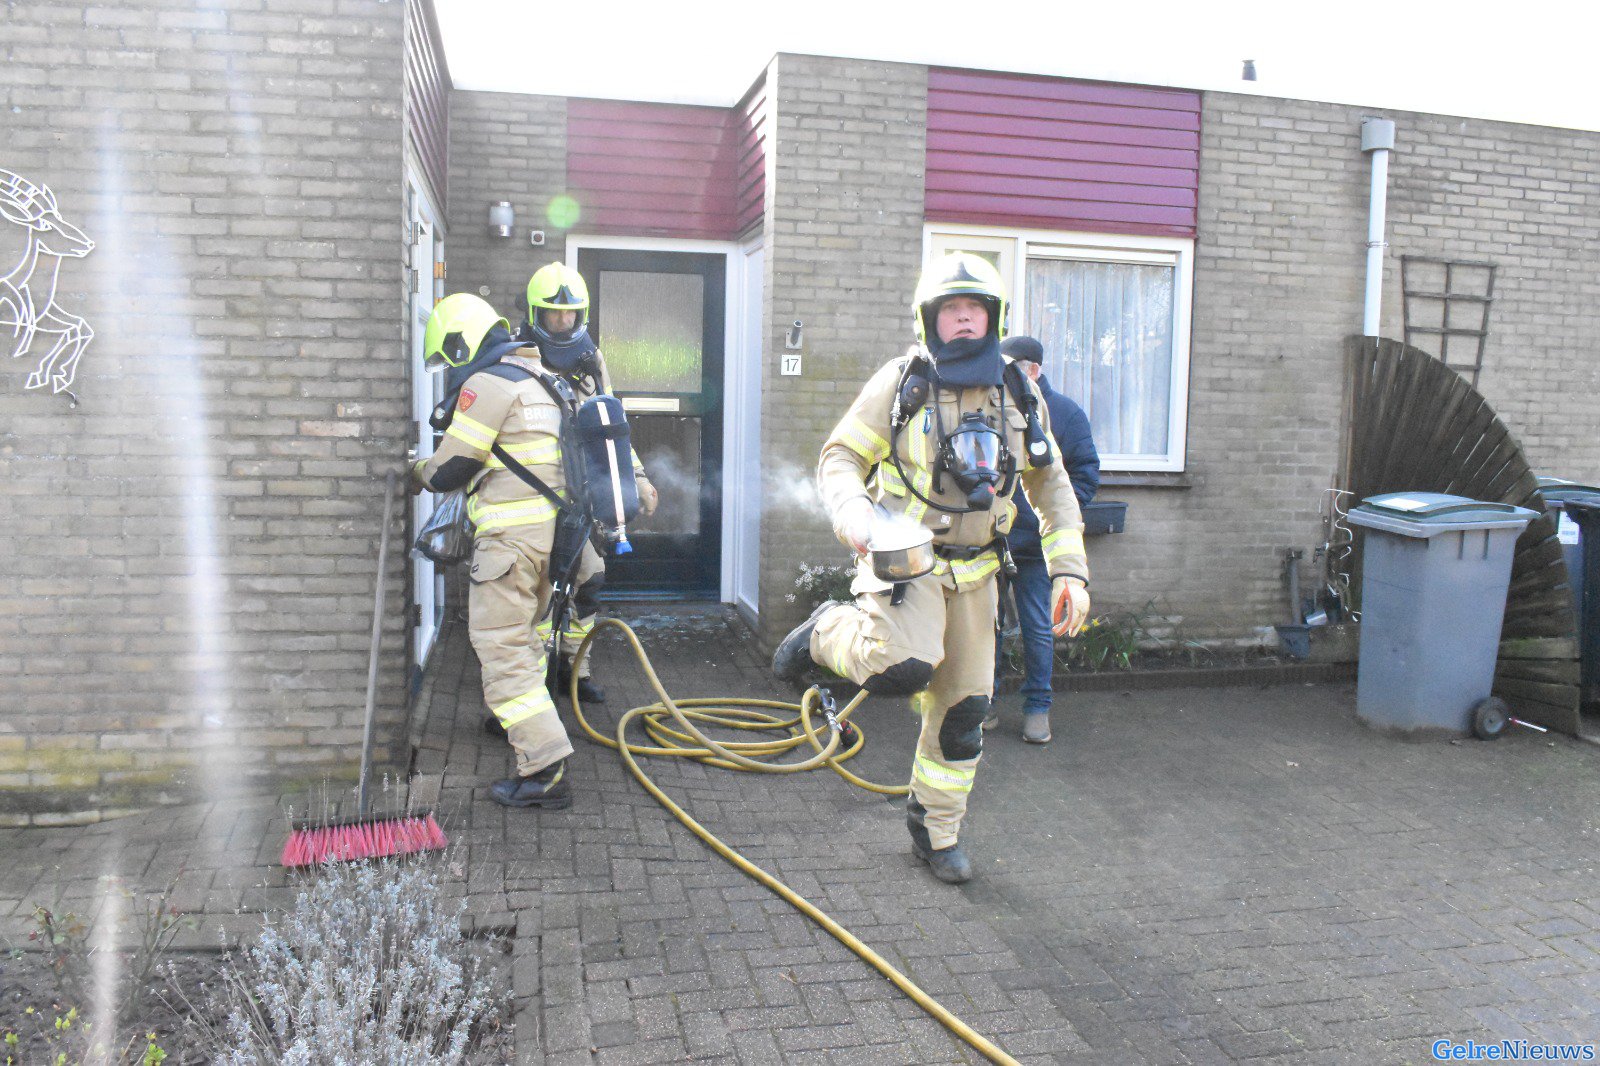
(501,219)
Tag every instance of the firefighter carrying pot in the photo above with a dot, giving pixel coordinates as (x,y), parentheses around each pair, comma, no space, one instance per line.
(941,438)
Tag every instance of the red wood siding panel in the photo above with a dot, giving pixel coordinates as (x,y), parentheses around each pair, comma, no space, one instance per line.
(642,169)
(427,83)
(749,130)
(1048,153)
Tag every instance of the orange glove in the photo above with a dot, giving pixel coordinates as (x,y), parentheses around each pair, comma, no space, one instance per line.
(1069,606)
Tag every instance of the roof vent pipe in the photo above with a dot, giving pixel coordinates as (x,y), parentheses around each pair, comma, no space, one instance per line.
(1377,137)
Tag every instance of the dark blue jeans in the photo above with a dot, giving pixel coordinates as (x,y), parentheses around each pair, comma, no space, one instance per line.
(1032,591)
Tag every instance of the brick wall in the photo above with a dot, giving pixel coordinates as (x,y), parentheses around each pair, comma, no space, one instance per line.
(503,146)
(1280,264)
(1280,268)
(185,599)
(1280,260)
(844,247)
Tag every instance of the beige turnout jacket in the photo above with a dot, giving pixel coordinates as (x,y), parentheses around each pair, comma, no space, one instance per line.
(855,462)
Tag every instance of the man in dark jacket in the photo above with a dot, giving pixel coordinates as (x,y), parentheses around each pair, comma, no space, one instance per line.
(1070,427)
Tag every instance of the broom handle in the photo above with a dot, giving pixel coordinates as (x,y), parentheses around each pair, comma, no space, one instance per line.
(364,800)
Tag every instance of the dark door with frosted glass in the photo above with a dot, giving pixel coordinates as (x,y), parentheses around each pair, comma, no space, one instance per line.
(658,317)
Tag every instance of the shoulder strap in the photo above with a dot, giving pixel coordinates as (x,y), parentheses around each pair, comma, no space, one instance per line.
(508,371)
(911,393)
(562,394)
(1018,388)
(533,480)
(1028,403)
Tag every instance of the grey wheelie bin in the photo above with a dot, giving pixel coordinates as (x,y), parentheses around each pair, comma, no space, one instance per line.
(1578,529)
(1434,576)
(1557,493)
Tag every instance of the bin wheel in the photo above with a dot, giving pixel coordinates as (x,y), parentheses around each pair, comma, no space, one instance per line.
(1490,716)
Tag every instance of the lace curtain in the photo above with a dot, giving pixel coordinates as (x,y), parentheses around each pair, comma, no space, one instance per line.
(1107,335)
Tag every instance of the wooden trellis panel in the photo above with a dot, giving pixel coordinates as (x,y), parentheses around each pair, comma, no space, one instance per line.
(1419,426)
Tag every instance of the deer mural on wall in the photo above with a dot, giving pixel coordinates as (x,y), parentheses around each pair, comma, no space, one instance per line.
(28,305)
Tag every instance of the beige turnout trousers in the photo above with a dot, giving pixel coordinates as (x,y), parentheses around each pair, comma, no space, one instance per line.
(510,589)
(954,632)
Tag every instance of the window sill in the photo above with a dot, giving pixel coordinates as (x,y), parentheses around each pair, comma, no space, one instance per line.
(1134,479)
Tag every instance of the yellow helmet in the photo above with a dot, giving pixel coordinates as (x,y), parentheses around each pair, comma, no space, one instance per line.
(456,328)
(557,287)
(958,274)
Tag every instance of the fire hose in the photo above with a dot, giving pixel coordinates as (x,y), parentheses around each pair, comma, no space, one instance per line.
(674,725)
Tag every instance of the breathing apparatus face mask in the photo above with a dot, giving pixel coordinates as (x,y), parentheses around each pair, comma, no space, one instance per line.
(975,455)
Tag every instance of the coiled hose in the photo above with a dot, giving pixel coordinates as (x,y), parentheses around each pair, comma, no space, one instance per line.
(672,725)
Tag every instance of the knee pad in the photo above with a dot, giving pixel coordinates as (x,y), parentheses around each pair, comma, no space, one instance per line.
(961,734)
(902,679)
(586,598)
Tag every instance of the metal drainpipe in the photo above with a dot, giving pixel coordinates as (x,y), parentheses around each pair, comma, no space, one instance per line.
(1377,137)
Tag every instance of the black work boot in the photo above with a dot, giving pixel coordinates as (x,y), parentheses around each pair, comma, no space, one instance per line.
(792,660)
(492,726)
(588,691)
(949,865)
(548,789)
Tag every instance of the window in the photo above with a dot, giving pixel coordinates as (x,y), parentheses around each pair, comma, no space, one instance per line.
(1112,312)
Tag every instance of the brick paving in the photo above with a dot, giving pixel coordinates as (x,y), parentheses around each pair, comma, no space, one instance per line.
(1184,876)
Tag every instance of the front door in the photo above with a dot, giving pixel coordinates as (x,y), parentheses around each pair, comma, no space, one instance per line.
(658,318)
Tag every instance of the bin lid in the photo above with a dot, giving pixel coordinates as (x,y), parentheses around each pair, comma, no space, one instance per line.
(1558,492)
(1425,514)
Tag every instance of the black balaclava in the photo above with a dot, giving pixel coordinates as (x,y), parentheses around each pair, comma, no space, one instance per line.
(496,345)
(966,362)
(566,356)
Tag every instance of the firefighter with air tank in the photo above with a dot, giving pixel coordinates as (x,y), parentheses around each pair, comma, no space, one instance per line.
(498,405)
(941,437)
(557,325)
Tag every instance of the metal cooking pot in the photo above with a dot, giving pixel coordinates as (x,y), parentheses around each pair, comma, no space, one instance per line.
(901,551)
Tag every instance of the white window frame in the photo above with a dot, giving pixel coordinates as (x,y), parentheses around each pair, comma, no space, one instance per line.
(427,389)
(1017,246)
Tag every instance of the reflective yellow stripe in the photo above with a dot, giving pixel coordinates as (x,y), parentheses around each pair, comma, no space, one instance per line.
(921,476)
(969,571)
(524,707)
(542,630)
(892,482)
(1062,543)
(861,439)
(539,451)
(577,628)
(504,515)
(472,432)
(943,778)
(841,661)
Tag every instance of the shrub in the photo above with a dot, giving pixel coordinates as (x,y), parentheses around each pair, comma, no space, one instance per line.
(369,966)
(1110,640)
(825,581)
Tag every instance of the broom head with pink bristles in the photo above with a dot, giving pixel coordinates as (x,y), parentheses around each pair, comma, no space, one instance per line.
(370,838)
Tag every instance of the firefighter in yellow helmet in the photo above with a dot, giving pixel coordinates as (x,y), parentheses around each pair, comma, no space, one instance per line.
(495,405)
(558,325)
(941,437)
